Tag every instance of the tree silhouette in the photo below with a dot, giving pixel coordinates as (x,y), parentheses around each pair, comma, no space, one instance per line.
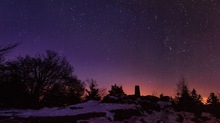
(213,104)
(196,103)
(6,49)
(93,93)
(55,96)
(3,51)
(183,98)
(183,95)
(188,101)
(36,76)
(69,92)
(116,91)
(182,88)
(212,99)
(197,98)
(116,95)
(74,90)
(7,88)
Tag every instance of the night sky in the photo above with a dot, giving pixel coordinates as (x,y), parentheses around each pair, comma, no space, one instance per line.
(151,43)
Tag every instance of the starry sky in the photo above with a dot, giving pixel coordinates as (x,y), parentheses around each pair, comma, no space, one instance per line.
(151,43)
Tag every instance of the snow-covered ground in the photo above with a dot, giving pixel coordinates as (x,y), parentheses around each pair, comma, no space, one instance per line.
(166,115)
(82,108)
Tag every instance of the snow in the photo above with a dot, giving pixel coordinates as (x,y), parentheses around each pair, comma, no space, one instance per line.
(167,114)
(99,120)
(163,104)
(206,115)
(212,118)
(87,107)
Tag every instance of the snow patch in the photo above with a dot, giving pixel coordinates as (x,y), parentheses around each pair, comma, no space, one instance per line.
(82,108)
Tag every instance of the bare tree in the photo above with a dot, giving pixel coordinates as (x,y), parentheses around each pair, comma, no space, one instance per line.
(39,74)
(69,92)
(6,49)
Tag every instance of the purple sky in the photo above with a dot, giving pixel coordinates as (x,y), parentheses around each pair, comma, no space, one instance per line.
(151,43)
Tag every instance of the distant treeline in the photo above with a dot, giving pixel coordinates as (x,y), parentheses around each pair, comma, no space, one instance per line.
(48,80)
